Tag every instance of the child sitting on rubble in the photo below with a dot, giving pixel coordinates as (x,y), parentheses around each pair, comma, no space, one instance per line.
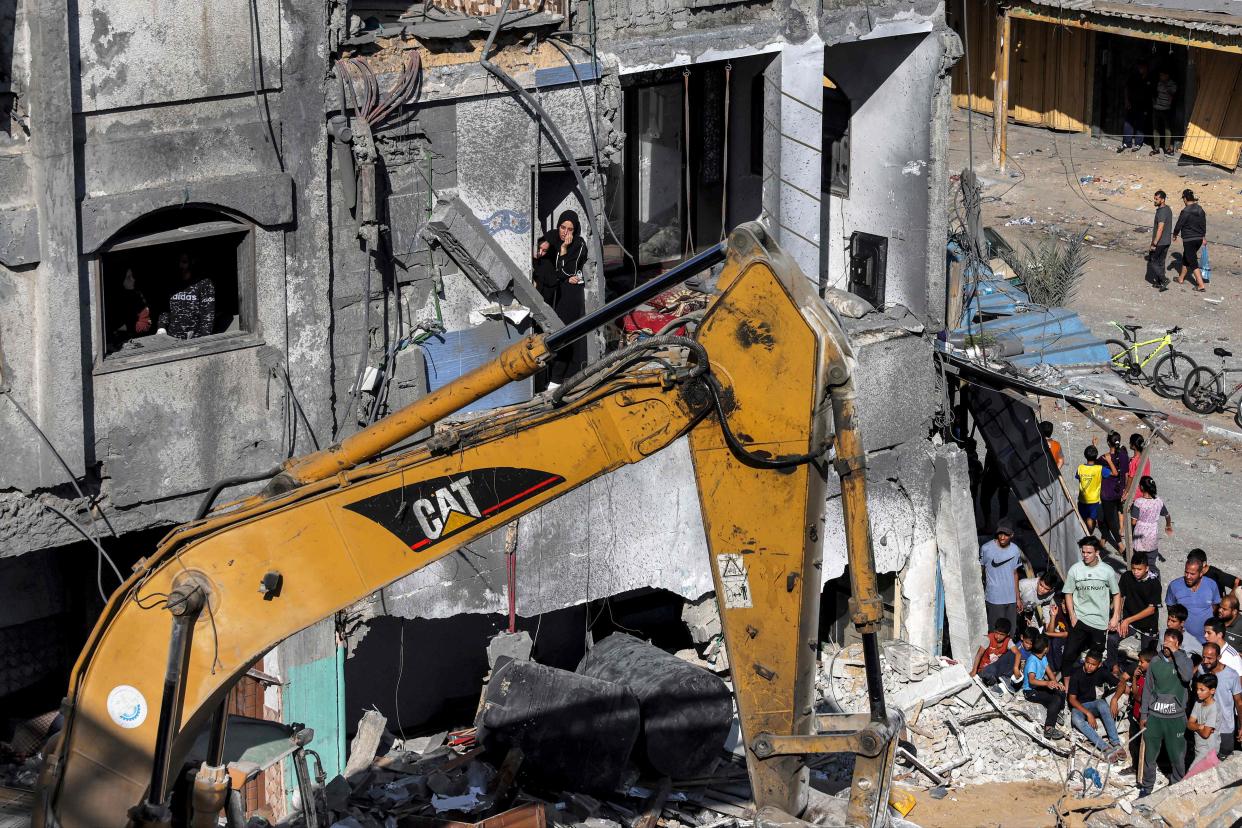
(1204,721)
(1089,709)
(1040,685)
(1026,642)
(997,656)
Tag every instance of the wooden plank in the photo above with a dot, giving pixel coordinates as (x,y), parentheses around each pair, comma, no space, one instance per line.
(1026,87)
(1000,111)
(1228,143)
(978,36)
(1161,33)
(1218,74)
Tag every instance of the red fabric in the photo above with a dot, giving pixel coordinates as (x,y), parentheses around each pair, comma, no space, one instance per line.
(143,323)
(1206,763)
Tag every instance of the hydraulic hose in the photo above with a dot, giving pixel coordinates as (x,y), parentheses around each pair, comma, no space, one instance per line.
(228,482)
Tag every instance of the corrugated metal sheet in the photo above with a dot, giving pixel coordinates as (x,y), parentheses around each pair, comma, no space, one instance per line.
(1225,24)
(1050,336)
(1059,356)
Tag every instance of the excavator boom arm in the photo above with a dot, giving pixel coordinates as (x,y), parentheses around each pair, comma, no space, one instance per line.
(768,371)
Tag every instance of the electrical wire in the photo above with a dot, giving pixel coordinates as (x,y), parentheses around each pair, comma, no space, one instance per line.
(607,221)
(256,80)
(73,480)
(547,124)
(99,559)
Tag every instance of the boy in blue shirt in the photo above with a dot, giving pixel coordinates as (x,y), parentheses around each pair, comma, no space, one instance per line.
(1040,685)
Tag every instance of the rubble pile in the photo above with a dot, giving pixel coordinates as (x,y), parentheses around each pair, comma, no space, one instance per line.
(959,732)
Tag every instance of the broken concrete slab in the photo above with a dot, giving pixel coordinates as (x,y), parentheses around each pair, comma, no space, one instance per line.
(365,743)
(702,618)
(1227,774)
(957,538)
(456,229)
(939,684)
(516,646)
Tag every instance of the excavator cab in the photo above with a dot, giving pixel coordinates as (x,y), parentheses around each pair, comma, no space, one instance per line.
(764,391)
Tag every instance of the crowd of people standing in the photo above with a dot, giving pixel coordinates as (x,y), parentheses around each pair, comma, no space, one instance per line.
(1092,642)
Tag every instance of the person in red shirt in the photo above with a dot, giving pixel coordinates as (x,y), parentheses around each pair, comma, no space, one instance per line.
(1131,680)
(1137,442)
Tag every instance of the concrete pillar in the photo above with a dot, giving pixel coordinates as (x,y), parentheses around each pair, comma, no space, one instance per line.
(61,308)
(958,542)
(918,589)
(800,142)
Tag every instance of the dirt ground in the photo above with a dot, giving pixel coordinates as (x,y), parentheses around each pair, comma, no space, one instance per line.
(1200,476)
(1007,804)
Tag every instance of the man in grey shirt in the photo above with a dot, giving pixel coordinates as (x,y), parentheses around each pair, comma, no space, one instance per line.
(1161,238)
(1001,559)
(1228,697)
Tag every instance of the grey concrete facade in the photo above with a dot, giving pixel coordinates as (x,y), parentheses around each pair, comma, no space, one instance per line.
(115,126)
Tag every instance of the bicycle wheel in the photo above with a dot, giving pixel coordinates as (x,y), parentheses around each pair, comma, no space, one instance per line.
(1201,393)
(1121,359)
(1169,375)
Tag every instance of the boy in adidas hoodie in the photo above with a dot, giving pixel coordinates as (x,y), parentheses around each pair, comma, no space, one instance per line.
(1164,710)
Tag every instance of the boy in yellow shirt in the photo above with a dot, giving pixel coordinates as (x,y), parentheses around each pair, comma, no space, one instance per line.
(1091,476)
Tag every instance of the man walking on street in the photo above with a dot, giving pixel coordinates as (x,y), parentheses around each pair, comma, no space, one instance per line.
(1161,238)
(1001,559)
(1093,601)
(1192,227)
(1163,714)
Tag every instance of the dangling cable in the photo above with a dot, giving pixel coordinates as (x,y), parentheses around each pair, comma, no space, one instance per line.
(724,164)
(685,143)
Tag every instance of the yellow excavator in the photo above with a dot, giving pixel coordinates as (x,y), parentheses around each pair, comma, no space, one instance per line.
(765,391)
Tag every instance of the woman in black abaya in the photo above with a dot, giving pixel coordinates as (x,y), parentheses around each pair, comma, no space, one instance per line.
(559,259)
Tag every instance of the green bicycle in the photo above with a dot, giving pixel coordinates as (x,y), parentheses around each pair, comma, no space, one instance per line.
(1168,373)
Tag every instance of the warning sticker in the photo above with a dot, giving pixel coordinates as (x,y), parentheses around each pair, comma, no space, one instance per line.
(735,580)
(127,706)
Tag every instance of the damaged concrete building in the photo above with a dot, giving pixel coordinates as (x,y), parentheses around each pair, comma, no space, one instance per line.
(361,185)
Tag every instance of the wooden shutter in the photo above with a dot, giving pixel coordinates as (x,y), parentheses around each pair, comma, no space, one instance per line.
(1217,110)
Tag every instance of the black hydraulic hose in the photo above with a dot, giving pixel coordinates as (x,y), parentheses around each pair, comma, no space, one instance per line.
(228,482)
(624,304)
(617,357)
(744,454)
(875,682)
(554,133)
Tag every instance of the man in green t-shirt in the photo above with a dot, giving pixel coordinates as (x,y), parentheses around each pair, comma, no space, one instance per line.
(1093,601)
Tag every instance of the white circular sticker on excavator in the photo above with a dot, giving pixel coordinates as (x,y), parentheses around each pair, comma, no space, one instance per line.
(127,706)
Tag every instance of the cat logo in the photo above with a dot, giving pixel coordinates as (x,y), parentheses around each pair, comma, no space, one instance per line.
(452,508)
(426,512)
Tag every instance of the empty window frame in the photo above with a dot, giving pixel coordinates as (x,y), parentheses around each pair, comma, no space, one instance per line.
(835,169)
(178,283)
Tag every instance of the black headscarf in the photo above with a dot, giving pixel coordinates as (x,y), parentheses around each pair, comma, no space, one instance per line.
(554,268)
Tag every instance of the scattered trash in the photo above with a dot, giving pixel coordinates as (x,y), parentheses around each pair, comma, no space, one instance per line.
(1025,220)
(1136,186)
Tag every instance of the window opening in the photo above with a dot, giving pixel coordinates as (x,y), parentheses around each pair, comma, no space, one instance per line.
(176,276)
(835,169)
